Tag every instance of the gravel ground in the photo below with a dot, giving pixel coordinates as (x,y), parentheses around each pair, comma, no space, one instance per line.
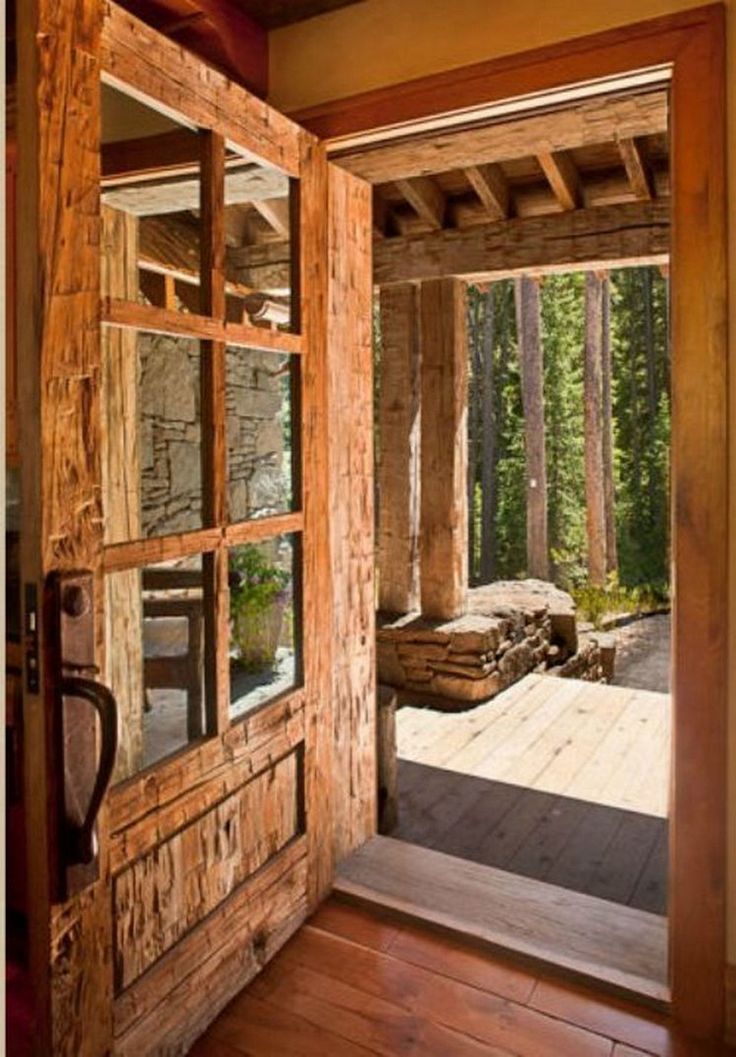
(643,654)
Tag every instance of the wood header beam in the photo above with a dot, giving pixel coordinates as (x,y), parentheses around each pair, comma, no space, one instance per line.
(601,237)
(596,238)
(593,121)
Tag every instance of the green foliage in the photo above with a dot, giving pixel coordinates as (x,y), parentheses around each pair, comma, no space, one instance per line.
(595,603)
(257,583)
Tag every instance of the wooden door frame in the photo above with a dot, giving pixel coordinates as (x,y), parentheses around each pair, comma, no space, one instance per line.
(692,43)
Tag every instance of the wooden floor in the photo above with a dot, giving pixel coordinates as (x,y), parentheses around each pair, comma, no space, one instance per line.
(602,744)
(623,948)
(354,984)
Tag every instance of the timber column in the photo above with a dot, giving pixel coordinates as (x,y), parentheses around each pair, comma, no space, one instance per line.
(398,473)
(444,448)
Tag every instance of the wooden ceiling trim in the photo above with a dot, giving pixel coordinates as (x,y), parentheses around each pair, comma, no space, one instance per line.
(637,168)
(426,199)
(492,188)
(563,177)
(593,121)
(135,54)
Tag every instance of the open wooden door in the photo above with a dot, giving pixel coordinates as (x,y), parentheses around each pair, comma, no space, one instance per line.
(195,414)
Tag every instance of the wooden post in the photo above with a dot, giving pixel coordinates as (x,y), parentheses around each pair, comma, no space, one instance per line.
(444,449)
(398,471)
(532,394)
(594,492)
(609,497)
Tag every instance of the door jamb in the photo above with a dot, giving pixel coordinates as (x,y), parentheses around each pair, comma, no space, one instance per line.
(693,44)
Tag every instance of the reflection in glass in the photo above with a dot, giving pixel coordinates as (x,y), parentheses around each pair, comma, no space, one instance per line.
(258,238)
(151,201)
(260,428)
(155,650)
(265,628)
(152,474)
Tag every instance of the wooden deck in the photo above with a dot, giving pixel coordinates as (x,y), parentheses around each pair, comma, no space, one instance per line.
(354,983)
(557,780)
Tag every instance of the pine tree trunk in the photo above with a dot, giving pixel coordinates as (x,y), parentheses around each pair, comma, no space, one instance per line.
(609,497)
(474,399)
(532,392)
(594,489)
(489,457)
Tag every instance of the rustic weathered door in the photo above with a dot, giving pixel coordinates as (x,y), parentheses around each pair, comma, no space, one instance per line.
(197,560)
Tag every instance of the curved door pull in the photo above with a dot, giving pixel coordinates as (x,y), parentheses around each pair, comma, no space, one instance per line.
(81,840)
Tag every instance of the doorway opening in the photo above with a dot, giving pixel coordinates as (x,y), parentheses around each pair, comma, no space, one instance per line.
(523,510)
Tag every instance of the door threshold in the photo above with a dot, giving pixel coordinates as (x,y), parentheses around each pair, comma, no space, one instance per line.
(615,947)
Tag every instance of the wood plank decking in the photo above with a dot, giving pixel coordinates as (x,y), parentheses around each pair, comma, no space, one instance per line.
(557,780)
(602,744)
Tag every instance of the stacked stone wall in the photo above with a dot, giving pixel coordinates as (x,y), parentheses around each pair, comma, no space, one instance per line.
(171,435)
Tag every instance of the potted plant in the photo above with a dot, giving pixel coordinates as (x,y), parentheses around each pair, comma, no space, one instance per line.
(259,594)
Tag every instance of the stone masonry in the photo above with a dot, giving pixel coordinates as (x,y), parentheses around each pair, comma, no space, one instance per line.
(170,424)
(510,628)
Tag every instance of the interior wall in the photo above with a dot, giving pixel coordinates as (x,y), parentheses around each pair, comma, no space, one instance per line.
(380,42)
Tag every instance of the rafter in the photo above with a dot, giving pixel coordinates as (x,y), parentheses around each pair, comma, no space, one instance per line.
(426,198)
(276,213)
(492,188)
(637,169)
(563,177)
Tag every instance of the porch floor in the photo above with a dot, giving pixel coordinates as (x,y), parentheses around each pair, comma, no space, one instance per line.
(557,780)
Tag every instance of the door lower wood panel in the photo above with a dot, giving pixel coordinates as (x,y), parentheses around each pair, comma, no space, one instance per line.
(161,896)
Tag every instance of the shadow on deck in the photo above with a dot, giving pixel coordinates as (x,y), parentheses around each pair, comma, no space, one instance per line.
(595,849)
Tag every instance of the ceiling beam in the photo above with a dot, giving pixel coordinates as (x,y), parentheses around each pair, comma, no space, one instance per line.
(426,199)
(562,176)
(492,188)
(592,121)
(637,169)
(604,237)
(176,193)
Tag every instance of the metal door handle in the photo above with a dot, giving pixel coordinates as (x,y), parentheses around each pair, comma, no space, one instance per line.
(81,838)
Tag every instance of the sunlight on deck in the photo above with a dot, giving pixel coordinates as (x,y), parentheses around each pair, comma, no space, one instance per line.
(603,744)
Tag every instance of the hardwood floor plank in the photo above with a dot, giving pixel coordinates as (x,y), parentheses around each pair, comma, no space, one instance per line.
(378,1024)
(611,1017)
(352,923)
(359,977)
(324,995)
(257,1028)
(446,957)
